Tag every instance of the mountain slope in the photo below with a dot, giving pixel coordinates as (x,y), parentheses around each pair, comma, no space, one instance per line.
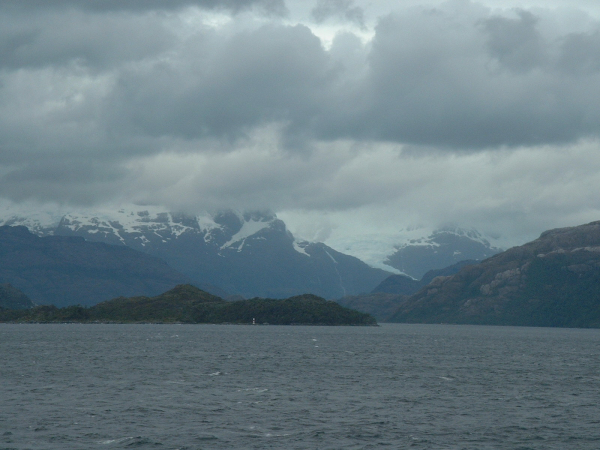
(68,270)
(401,284)
(552,281)
(385,299)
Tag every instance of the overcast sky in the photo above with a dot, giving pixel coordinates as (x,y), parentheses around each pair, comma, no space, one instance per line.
(344,117)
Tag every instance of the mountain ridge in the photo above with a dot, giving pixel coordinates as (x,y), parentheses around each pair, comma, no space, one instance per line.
(251,254)
(551,281)
(441,248)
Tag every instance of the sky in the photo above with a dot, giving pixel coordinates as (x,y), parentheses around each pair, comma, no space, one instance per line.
(347,118)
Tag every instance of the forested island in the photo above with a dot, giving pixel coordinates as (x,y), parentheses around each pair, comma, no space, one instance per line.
(188,304)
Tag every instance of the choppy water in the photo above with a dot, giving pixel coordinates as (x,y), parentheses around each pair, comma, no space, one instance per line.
(244,387)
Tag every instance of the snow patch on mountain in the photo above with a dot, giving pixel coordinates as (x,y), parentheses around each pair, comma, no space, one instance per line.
(38,221)
(135,219)
(248,229)
(332,258)
(141,223)
(300,247)
(376,248)
(206,222)
(431,238)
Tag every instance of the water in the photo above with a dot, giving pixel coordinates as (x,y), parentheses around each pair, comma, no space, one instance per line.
(242,387)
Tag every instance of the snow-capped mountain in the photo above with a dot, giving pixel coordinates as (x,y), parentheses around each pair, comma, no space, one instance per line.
(442,248)
(254,254)
(414,251)
(250,254)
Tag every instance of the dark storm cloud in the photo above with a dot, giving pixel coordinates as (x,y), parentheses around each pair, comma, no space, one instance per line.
(459,81)
(77,81)
(580,54)
(274,73)
(453,78)
(73,180)
(71,37)
(515,43)
(273,6)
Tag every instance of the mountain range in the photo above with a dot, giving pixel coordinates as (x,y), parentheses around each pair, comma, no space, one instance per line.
(414,250)
(13,298)
(228,253)
(551,281)
(251,254)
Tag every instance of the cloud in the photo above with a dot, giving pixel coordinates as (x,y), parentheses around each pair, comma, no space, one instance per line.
(580,54)
(72,39)
(272,6)
(515,43)
(513,195)
(271,74)
(340,188)
(474,80)
(75,182)
(459,76)
(341,9)
(443,113)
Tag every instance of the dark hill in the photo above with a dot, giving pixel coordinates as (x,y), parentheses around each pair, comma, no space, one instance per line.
(69,270)
(552,281)
(398,285)
(188,304)
(176,305)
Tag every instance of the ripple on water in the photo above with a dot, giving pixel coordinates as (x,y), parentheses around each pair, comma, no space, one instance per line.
(423,387)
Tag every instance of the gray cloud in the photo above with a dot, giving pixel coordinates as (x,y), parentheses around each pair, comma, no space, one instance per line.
(432,78)
(453,77)
(445,88)
(579,54)
(273,6)
(274,73)
(515,43)
(140,104)
(72,181)
(73,38)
